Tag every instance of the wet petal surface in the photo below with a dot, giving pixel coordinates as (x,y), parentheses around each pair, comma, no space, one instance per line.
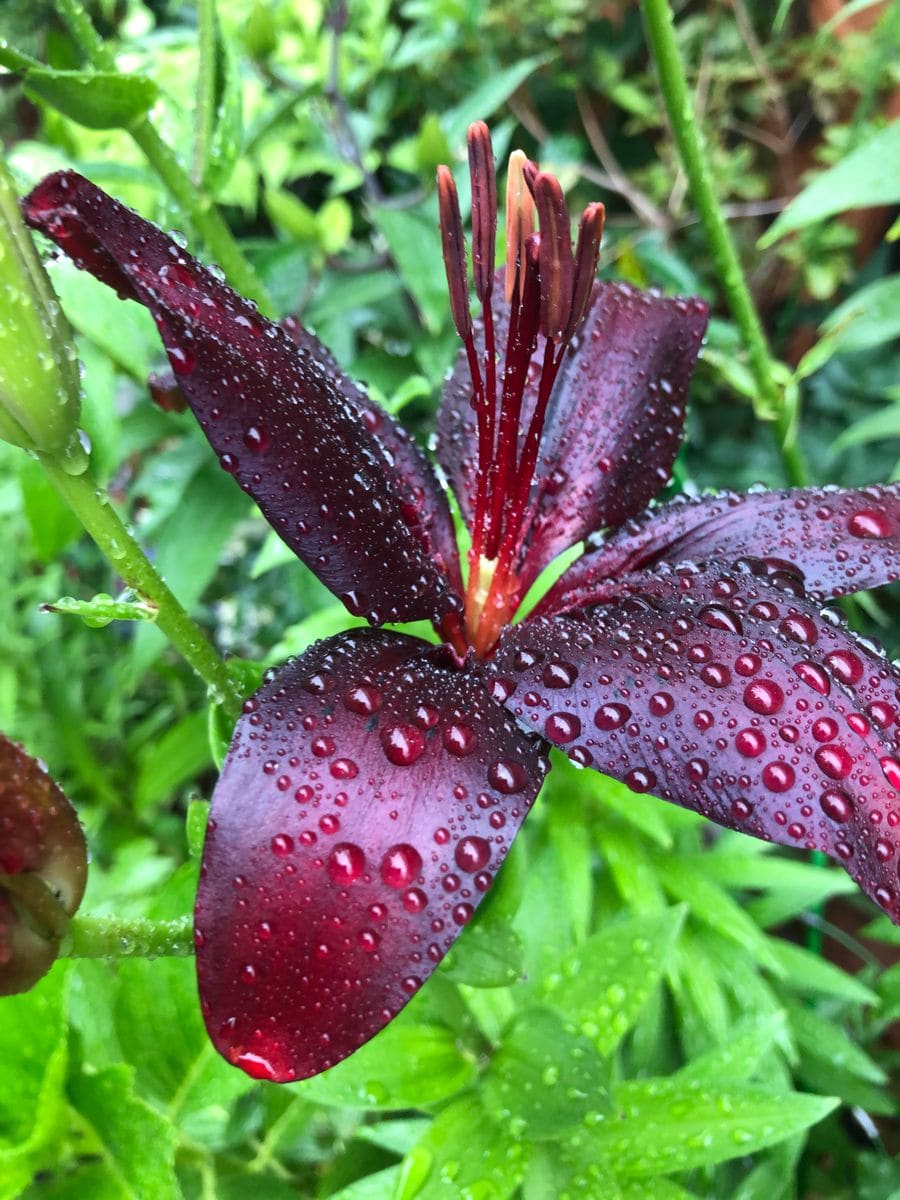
(43,867)
(839,540)
(275,412)
(728,695)
(615,420)
(369,796)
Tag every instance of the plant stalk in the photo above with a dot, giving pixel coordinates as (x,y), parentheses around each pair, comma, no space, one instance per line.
(198,209)
(93,509)
(660,26)
(127,937)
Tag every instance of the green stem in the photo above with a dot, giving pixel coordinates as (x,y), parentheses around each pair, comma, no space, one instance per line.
(205,107)
(127,937)
(198,208)
(689,139)
(96,514)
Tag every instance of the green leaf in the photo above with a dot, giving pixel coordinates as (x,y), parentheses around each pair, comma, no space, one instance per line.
(33,1058)
(137,1144)
(820,1038)
(488,955)
(96,99)
(404,1066)
(171,760)
(52,523)
(544,1079)
(870,317)
(101,609)
(161,1033)
(866,176)
(228,131)
(806,973)
(665,1125)
(603,984)
(467,1157)
(483,101)
(714,907)
(877,427)
(739,1057)
(414,240)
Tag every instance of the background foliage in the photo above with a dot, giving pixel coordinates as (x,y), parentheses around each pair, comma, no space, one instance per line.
(644,1007)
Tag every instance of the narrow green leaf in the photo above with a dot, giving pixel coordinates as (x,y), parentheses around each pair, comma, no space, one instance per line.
(136,1143)
(665,1125)
(603,984)
(807,973)
(544,1079)
(739,1057)
(821,1038)
(866,176)
(404,1066)
(483,101)
(101,609)
(870,317)
(414,240)
(467,1156)
(96,99)
(172,760)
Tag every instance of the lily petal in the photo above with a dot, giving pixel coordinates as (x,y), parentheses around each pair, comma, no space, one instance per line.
(726,695)
(615,420)
(837,541)
(370,794)
(281,417)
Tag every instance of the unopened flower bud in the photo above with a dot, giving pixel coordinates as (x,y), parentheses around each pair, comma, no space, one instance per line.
(39,385)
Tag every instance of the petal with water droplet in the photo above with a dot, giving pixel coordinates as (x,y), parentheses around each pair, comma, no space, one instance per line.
(729,718)
(837,541)
(362,879)
(336,478)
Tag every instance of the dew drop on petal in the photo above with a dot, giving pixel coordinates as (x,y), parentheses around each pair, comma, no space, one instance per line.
(401,865)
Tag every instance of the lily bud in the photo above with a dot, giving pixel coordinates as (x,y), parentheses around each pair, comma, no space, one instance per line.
(39,385)
(43,868)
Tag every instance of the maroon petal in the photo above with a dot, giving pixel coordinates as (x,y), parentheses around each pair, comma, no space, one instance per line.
(728,696)
(280,417)
(370,794)
(43,868)
(838,541)
(615,420)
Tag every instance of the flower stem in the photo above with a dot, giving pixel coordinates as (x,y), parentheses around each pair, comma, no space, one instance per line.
(205,105)
(93,509)
(196,206)
(127,937)
(660,26)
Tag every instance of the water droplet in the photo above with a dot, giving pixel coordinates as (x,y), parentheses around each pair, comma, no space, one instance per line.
(415,900)
(750,743)
(472,854)
(507,776)
(640,779)
(559,674)
(845,666)
(891,768)
(562,727)
(459,739)
(778,776)
(717,616)
(836,805)
(763,696)
(402,744)
(661,704)
(401,865)
(834,761)
(611,716)
(869,524)
(282,844)
(346,863)
(813,676)
(363,700)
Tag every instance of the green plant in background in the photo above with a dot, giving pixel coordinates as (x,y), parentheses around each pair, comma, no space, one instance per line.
(627,1025)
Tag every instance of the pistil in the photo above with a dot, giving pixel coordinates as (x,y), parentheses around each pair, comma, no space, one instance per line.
(548,289)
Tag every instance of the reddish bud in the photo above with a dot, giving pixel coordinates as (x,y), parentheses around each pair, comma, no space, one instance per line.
(43,868)
(587,255)
(454,247)
(557,261)
(484,208)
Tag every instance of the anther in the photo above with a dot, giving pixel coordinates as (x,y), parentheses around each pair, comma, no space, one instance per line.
(587,255)
(519,223)
(557,261)
(484,207)
(454,247)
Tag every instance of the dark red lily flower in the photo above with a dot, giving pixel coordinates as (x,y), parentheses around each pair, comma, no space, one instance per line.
(375,783)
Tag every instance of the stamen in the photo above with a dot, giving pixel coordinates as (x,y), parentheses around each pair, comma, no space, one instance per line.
(519,222)
(454,247)
(587,255)
(484,208)
(557,261)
